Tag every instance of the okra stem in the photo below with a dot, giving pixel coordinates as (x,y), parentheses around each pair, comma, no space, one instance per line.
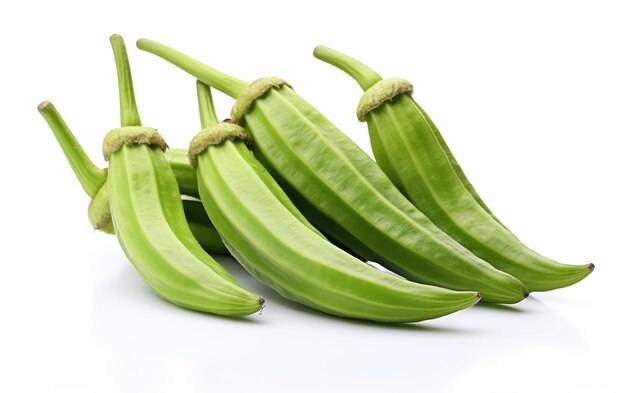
(205,104)
(212,77)
(365,76)
(90,176)
(128,105)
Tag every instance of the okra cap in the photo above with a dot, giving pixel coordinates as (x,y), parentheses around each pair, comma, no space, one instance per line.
(250,93)
(216,135)
(99,210)
(384,90)
(118,137)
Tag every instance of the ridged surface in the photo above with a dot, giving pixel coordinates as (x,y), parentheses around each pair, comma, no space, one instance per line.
(150,226)
(454,164)
(280,250)
(323,167)
(410,149)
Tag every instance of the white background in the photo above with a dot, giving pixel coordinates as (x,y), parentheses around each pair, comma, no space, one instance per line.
(530,95)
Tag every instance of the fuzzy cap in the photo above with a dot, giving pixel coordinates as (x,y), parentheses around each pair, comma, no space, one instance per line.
(216,135)
(99,210)
(382,91)
(253,91)
(118,137)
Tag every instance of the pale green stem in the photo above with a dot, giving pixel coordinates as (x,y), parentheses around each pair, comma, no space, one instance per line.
(205,105)
(90,176)
(128,105)
(212,77)
(365,76)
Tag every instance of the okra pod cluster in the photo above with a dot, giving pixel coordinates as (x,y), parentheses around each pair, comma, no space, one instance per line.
(410,149)
(300,206)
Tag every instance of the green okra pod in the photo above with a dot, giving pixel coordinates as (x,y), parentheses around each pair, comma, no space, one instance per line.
(149,220)
(412,152)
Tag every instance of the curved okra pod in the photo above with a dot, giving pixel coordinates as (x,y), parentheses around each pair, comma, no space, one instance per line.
(149,219)
(410,149)
(257,223)
(341,190)
(93,180)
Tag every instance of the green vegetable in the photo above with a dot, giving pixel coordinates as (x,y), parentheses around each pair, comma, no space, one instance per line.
(94,182)
(341,190)
(184,172)
(410,149)
(258,225)
(149,220)
(90,176)
(201,226)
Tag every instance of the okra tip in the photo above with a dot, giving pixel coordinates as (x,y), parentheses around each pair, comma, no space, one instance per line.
(115,37)
(44,104)
(322,52)
(318,49)
(141,43)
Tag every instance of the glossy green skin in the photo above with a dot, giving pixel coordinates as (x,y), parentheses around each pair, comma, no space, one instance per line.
(339,184)
(280,250)
(150,225)
(411,151)
(458,171)
(199,223)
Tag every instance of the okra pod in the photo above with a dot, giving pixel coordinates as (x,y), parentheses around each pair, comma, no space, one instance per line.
(149,220)
(412,152)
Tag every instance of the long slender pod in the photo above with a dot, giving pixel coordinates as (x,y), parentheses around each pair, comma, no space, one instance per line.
(341,190)
(149,220)
(94,182)
(257,223)
(410,149)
